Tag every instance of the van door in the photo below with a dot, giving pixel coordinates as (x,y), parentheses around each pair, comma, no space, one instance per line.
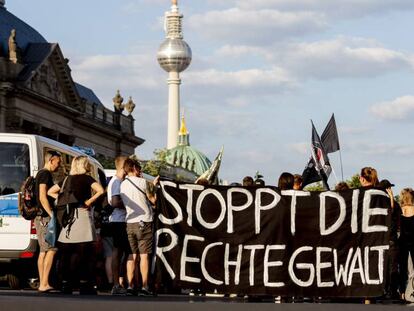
(14,169)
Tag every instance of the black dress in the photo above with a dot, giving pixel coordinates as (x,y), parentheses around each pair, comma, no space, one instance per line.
(406,243)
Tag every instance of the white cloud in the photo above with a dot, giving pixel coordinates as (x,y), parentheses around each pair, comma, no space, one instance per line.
(343,57)
(231,51)
(300,148)
(131,73)
(336,58)
(249,79)
(264,21)
(381,149)
(355,130)
(260,26)
(139,6)
(334,8)
(401,108)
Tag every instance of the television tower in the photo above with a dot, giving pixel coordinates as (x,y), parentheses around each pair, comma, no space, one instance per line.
(174,56)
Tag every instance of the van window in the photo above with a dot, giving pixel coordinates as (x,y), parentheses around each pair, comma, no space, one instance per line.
(14,166)
(64,168)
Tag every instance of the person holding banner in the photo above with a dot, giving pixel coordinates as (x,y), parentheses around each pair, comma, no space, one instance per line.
(248,181)
(286,181)
(392,281)
(368,177)
(297,182)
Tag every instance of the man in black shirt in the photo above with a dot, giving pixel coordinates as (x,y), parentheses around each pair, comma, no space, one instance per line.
(44,181)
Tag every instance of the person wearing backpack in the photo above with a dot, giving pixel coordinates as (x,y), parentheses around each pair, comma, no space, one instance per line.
(75,198)
(139,204)
(44,181)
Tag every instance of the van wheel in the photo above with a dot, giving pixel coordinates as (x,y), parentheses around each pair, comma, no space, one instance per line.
(34,283)
(13,281)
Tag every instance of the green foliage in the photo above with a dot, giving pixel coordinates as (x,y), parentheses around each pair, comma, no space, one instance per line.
(153,166)
(318,186)
(397,198)
(107,162)
(354,182)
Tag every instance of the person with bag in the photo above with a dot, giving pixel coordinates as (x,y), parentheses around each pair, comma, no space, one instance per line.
(75,197)
(44,181)
(139,217)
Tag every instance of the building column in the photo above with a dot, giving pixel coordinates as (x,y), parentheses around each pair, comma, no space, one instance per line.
(174,82)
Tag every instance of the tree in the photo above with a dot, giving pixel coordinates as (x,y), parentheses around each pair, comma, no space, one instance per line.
(354,182)
(154,166)
(318,186)
(107,162)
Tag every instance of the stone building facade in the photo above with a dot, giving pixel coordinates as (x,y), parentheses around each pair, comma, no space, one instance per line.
(39,96)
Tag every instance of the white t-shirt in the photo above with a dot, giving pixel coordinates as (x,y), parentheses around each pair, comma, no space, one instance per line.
(114,188)
(135,201)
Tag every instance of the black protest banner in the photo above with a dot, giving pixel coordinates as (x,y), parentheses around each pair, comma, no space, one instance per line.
(266,241)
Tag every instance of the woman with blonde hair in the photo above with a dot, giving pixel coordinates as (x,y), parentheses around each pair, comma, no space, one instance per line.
(75,197)
(406,239)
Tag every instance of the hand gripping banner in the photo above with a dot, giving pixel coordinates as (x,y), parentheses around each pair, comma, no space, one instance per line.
(259,240)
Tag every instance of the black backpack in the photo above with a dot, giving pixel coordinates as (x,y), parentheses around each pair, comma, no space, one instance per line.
(27,199)
(102,210)
(66,205)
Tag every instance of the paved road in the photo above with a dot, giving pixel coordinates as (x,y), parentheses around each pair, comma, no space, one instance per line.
(31,300)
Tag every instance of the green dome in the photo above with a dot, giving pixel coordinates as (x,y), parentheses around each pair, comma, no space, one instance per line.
(188,158)
(185,156)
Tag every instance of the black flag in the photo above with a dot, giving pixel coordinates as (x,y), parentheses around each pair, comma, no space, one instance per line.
(318,167)
(330,139)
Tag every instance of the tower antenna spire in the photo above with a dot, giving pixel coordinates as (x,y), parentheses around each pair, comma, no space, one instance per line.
(174,56)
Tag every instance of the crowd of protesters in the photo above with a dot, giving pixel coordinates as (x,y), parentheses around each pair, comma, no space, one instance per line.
(123,241)
(401,231)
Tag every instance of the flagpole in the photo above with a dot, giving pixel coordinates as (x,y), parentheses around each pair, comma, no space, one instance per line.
(342,167)
(333,171)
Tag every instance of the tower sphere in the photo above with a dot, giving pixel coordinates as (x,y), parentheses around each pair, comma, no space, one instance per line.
(174,55)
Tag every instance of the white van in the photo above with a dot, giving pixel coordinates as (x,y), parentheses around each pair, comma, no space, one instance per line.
(109,173)
(22,155)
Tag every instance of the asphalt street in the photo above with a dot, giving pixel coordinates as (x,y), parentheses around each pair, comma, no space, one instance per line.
(31,300)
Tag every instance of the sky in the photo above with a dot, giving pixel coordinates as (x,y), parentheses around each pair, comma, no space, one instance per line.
(261,70)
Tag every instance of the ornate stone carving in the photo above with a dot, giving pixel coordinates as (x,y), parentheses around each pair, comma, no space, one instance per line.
(14,50)
(13,123)
(45,82)
(130,106)
(118,100)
